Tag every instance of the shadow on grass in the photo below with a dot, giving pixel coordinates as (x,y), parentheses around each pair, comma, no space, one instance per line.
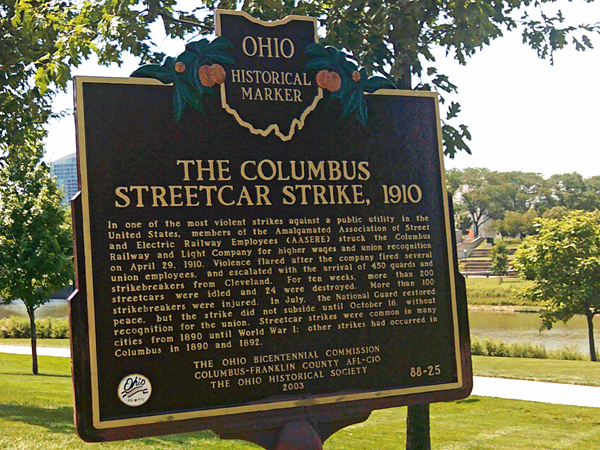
(55,420)
(60,420)
(40,375)
(468,400)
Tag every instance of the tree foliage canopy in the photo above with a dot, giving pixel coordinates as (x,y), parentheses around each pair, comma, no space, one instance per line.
(477,193)
(43,40)
(517,224)
(571,191)
(563,260)
(515,199)
(35,235)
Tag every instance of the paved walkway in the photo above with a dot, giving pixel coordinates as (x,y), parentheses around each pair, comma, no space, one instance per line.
(44,351)
(535,391)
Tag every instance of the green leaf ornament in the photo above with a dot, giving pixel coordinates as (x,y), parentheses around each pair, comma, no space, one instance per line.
(182,72)
(352,89)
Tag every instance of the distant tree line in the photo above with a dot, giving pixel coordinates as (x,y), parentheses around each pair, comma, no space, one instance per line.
(513,200)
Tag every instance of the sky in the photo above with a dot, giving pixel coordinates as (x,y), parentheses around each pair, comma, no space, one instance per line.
(528,115)
(524,114)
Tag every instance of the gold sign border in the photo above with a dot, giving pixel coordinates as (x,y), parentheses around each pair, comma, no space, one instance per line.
(325,399)
(296,123)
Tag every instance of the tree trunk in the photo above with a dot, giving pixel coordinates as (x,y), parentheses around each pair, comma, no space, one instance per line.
(34,361)
(417,428)
(406,80)
(475,226)
(590,322)
(401,69)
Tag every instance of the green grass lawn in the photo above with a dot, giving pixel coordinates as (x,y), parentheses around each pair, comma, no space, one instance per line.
(586,373)
(36,414)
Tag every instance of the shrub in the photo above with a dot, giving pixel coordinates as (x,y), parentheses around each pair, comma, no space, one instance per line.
(47,328)
(15,327)
(570,353)
(499,257)
(489,347)
(60,329)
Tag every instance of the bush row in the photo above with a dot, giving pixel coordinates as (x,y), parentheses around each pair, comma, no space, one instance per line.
(19,327)
(489,347)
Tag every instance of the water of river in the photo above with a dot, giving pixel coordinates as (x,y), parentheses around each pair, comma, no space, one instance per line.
(524,327)
(505,326)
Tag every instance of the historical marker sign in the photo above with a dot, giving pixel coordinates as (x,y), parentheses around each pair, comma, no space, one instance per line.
(269,67)
(233,281)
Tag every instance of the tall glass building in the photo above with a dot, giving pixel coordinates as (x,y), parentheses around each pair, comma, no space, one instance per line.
(65,171)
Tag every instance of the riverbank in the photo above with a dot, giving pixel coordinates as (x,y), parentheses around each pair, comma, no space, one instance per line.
(496,312)
(506,308)
(497,291)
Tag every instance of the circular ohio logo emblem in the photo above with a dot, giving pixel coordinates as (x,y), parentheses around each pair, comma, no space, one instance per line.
(134,390)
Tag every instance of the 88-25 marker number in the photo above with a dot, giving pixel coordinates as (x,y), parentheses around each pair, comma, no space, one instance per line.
(429,371)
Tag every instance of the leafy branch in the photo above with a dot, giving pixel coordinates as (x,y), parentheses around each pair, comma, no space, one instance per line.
(547,34)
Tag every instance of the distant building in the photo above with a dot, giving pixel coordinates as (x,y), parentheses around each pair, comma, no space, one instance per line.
(65,171)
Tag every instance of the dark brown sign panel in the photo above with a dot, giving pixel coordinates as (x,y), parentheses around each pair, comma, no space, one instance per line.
(269,67)
(233,281)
